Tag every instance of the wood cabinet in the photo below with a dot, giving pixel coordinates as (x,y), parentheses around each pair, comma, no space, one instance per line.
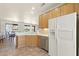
(67,8)
(40,21)
(49,14)
(77,8)
(59,11)
(34,40)
(55,12)
(43,21)
(20,41)
(27,41)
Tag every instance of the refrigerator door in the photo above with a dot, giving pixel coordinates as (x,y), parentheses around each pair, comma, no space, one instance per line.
(66,35)
(52,38)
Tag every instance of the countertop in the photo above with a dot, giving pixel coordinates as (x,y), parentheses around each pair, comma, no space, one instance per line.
(43,35)
(23,33)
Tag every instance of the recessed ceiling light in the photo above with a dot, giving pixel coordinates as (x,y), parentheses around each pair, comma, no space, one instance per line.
(33,8)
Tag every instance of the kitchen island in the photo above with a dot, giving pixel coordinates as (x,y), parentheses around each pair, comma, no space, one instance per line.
(27,40)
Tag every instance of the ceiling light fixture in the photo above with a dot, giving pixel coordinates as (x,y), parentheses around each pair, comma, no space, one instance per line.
(33,8)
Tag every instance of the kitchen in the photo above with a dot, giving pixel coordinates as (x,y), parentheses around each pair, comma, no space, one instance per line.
(32,25)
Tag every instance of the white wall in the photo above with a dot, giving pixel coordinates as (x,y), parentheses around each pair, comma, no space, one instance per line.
(32,19)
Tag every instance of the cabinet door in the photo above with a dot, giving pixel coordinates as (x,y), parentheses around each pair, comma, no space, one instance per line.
(40,21)
(77,7)
(55,12)
(29,40)
(67,8)
(43,21)
(34,41)
(49,14)
(21,41)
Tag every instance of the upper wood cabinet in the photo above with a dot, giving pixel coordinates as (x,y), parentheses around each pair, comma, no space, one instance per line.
(67,8)
(49,14)
(59,11)
(77,7)
(55,12)
(43,21)
(40,20)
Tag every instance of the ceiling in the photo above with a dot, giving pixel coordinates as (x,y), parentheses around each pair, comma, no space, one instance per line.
(21,11)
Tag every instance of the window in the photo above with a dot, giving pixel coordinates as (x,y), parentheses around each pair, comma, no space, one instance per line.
(26,28)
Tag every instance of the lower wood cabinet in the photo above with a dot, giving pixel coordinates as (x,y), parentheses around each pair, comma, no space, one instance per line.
(32,41)
(44,42)
(27,41)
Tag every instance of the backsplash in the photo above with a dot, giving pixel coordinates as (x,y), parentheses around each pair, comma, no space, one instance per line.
(43,31)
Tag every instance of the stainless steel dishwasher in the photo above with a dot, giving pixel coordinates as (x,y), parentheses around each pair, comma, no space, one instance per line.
(44,42)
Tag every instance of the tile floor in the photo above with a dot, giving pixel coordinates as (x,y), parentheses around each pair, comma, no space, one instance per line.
(24,51)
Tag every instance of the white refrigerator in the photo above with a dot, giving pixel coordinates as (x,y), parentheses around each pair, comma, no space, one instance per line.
(63,39)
